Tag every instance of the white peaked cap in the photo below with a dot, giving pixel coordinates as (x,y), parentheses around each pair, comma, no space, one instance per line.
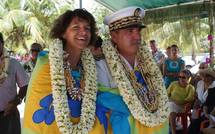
(124,18)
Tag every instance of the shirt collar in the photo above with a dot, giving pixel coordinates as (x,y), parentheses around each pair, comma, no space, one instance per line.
(128,64)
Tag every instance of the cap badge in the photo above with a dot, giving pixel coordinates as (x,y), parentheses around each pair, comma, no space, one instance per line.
(137,12)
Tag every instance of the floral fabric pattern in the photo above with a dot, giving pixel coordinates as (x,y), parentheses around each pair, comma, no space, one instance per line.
(46,113)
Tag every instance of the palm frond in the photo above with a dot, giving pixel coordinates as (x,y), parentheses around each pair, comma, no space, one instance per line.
(17,16)
(33,27)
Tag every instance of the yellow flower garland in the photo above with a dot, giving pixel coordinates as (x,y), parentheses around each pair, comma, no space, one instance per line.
(4,66)
(126,90)
(60,100)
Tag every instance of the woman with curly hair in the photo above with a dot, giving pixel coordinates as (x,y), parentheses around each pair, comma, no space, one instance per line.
(62,91)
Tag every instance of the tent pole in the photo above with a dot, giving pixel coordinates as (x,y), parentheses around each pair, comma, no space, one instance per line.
(211,24)
(80,3)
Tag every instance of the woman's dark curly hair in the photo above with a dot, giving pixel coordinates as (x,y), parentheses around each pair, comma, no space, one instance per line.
(63,21)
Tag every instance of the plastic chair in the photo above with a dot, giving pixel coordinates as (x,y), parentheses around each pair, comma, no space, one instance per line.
(204,124)
(184,117)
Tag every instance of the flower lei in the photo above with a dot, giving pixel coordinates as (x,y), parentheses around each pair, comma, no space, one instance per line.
(60,100)
(4,66)
(127,91)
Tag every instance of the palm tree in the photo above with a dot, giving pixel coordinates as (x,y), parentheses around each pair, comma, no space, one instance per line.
(24,20)
(187,34)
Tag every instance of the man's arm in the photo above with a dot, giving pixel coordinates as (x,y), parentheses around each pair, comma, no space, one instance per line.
(12,105)
(22,82)
(22,92)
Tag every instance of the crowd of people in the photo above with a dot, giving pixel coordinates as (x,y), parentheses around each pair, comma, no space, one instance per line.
(186,89)
(117,86)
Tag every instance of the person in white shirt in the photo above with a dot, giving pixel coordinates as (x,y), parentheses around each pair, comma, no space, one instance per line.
(11,75)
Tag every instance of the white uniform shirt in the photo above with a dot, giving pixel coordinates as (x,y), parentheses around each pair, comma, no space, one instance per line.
(104,75)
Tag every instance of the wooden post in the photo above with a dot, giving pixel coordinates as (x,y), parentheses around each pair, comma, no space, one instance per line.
(211,24)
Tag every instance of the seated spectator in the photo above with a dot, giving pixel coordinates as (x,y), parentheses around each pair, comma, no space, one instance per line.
(203,86)
(197,77)
(172,66)
(180,93)
(209,103)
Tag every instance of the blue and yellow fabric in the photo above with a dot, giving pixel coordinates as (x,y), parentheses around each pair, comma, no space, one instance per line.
(112,115)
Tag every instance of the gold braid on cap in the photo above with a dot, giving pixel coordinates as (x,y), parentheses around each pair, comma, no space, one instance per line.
(124,22)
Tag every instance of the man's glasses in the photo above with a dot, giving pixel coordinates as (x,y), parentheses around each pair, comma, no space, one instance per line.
(181,77)
(201,67)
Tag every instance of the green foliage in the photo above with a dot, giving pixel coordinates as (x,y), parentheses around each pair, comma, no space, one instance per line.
(189,35)
(24,21)
(99,13)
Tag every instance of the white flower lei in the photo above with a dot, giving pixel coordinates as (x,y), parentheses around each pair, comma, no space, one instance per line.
(128,93)
(5,65)
(60,100)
